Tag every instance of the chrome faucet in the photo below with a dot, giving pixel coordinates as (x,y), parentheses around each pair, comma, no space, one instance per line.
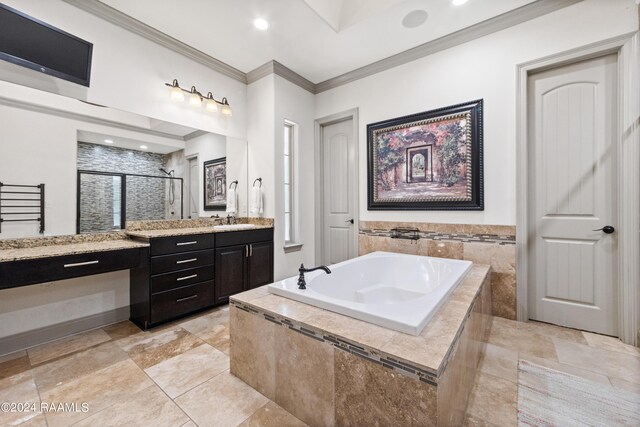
(302,284)
(231,219)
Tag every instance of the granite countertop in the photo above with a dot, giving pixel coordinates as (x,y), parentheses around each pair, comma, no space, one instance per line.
(150,234)
(58,246)
(52,246)
(428,351)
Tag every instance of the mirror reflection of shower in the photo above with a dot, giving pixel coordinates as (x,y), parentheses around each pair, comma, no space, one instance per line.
(172,186)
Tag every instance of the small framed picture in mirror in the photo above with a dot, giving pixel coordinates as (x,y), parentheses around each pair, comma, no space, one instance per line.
(215,184)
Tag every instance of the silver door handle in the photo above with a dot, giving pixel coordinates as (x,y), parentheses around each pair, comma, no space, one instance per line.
(246,251)
(80,264)
(250,250)
(180,279)
(186,243)
(184,261)
(187,298)
(350,220)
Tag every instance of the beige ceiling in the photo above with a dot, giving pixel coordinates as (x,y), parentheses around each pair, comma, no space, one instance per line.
(318,39)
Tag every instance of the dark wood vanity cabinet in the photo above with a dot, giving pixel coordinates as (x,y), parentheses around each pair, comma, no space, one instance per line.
(49,269)
(189,273)
(177,281)
(244,260)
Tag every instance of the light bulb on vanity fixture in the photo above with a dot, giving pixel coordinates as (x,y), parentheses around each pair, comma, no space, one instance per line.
(211,104)
(226,109)
(176,91)
(196,98)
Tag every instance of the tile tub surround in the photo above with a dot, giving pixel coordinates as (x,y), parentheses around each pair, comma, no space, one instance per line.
(483,244)
(322,366)
(44,247)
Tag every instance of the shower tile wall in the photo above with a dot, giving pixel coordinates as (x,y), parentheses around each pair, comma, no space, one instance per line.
(146,197)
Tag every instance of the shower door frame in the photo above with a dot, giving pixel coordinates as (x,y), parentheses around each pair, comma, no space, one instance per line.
(123,193)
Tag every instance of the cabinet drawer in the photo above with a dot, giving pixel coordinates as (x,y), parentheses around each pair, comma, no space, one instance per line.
(176,244)
(27,272)
(176,279)
(171,304)
(242,237)
(168,263)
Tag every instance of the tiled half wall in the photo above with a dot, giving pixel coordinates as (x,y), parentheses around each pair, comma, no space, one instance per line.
(483,244)
(326,380)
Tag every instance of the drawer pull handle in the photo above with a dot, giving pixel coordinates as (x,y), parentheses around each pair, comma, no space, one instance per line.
(180,279)
(186,243)
(80,264)
(187,298)
(184,261)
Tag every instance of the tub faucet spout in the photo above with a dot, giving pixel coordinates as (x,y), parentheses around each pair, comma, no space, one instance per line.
(302,284)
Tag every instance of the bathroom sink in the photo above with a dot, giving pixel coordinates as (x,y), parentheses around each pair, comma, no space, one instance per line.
(234,227)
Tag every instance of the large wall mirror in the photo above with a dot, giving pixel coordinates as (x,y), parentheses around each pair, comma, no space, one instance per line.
(113,166)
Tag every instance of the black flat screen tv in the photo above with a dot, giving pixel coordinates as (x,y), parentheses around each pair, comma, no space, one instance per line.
(31,43)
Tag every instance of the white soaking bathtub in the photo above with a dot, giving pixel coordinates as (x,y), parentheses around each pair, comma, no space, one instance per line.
(396,291)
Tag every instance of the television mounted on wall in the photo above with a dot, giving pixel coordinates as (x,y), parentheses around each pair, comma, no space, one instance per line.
(34,44)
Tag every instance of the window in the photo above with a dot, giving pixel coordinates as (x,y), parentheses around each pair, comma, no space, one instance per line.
(289,183)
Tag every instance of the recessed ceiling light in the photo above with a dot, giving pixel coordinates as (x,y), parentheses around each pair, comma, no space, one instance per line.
(261,24)
(459,2)
(108,141)
(144,147)
(415,19)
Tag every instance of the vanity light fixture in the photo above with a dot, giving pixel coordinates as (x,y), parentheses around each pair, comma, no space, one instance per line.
(196,98)
(144,147)
(109,141)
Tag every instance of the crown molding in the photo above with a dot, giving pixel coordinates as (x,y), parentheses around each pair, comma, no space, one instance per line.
(103,11)
(195,134)
(514,17)
(262,71)
(489,26)
(293,77)
(274,67)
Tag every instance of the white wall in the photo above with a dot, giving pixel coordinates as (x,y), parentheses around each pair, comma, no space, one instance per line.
(128,72)
(294,104)
(260,136)
(212,146)
(484,68)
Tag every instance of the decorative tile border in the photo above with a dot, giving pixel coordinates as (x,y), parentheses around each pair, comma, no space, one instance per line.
(456,237)
(386,361)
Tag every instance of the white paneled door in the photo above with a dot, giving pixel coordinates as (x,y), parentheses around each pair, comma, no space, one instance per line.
(339,193)
(572,164)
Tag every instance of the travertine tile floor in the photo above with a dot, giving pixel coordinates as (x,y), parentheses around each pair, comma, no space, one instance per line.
(178,375)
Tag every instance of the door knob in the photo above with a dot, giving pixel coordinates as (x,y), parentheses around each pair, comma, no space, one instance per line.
(350,220)
(606,229)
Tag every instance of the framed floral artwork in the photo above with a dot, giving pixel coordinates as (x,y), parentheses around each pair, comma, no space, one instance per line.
(427,161)
(215,184)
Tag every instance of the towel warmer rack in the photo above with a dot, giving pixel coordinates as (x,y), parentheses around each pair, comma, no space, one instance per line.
(20,197)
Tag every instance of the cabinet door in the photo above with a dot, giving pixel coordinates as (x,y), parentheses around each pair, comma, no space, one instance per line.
(230,271)
(260,264)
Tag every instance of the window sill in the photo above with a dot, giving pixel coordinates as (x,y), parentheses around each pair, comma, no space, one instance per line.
(292,247)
